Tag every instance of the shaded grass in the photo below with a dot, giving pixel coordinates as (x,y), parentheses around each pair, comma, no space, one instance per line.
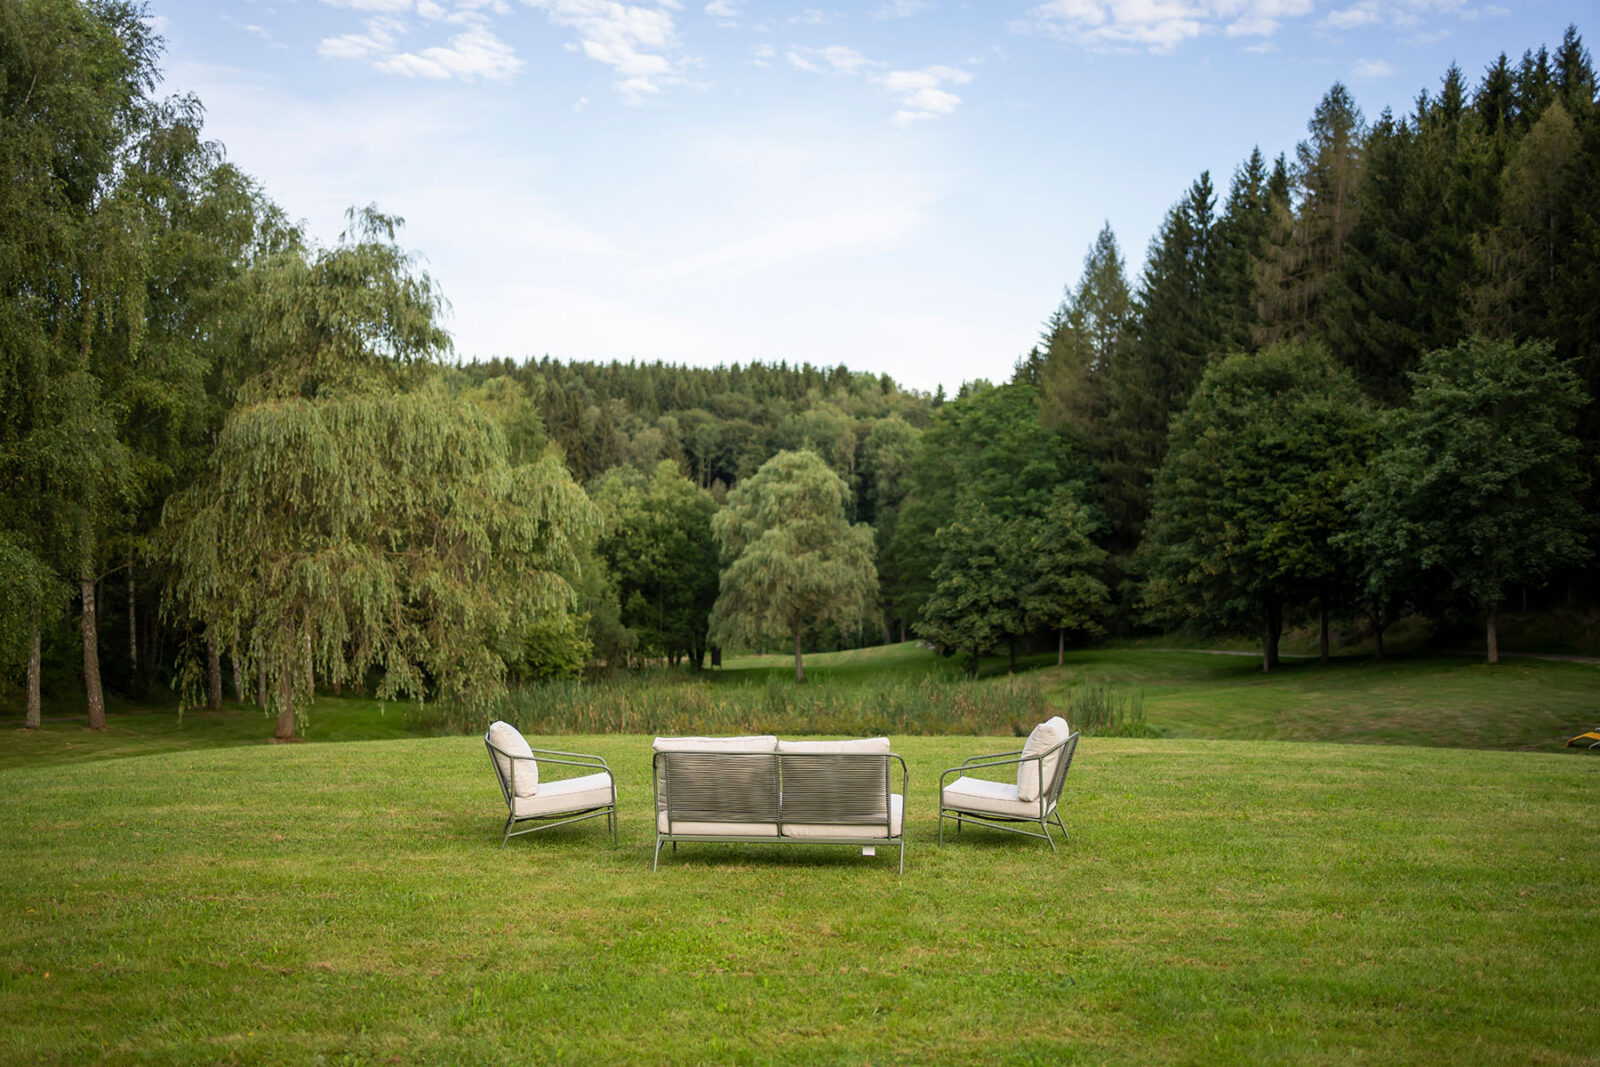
(1436,700)
(1219,902)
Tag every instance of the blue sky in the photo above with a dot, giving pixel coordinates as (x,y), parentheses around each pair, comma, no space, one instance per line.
(897,185)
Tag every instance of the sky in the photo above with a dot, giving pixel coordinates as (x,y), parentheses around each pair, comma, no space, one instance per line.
(902,186)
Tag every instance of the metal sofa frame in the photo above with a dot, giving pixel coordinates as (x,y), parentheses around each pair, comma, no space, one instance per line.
(777,789)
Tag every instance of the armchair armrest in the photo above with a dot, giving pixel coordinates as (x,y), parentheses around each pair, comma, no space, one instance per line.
(996,759)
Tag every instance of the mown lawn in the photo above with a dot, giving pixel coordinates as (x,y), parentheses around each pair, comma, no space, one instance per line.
(1219,902)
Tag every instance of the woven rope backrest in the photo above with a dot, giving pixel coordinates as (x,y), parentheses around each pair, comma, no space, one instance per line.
(718,786)
(835,788)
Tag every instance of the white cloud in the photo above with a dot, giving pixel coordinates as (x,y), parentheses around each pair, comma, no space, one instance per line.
(639,43)
(476,53)
(1161,26)
(921,92)
(724,9)
(762,54)
(1353,18)
(1371,68)
(810,17)
(834,59)
(388,7)
(382,33)
(901,9)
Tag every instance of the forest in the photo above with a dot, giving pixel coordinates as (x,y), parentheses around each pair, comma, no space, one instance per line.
(1358,383)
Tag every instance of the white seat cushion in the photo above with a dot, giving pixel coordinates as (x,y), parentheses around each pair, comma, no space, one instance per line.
(568,794)
(1033,774)
(897,807)
(864,746)
(990,798)
(765,743)
(715,829)
(509,740)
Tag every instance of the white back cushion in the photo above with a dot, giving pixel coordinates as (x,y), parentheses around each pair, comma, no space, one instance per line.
(1045,736)
(765,743)
(510,741)
(864,746)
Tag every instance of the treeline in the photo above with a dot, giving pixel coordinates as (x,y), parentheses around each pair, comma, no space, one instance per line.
(1211,442)
(1362,385)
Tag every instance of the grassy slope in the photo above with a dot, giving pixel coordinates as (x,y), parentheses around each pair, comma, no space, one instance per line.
(1218,902)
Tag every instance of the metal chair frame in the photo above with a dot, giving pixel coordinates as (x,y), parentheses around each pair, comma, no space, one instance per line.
(556,818)
(1049,796)
(720,782)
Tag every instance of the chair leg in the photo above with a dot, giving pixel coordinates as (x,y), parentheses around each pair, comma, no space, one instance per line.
(506,835)
(657,858)
(1046,828)
(902,857)
(941,828)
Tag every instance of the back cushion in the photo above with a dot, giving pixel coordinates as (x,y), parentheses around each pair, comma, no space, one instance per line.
(866,746)
(764,743)
(1045,736)
(509,740)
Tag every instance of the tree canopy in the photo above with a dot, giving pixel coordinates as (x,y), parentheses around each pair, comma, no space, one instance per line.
(793,559)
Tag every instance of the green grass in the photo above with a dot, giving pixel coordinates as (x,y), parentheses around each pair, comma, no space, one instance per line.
(1219,902)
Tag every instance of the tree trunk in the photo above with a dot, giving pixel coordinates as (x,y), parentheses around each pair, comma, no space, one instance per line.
(1494,634)
(888,638)
(1061,647)
(261,686)
(1377,640)
(1322,610)
(799,669)
(238,679)
(284,730)
(902,631)
(31,722)
(133,625)
(213,671)
(1271,630)
(91,634)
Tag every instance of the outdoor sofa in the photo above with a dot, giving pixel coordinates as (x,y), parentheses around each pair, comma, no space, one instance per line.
(759,790)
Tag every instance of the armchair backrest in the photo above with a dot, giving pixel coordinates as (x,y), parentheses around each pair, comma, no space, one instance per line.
(1051,793)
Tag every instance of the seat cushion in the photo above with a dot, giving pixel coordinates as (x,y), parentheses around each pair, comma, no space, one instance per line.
(567,795)
(990,798)
(1033,774)
(869,831)
(715,829)
(866,746)
(509,740)
(764,743)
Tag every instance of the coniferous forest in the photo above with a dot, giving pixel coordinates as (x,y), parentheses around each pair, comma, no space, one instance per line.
(1355,381)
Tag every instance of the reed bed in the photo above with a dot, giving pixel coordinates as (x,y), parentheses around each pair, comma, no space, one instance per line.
(662,703)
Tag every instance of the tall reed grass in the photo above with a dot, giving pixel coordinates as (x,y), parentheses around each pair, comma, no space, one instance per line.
(1104,711)
(665,703)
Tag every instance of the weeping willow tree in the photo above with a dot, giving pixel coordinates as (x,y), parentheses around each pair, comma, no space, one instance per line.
(356,520)
(794,559)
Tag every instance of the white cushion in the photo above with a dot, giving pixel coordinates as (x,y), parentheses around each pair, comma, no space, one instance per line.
(568,794)
(871,831)
(524,780)
(766,743)
(869,746)
(715,829)
(990,798)
(1045,736)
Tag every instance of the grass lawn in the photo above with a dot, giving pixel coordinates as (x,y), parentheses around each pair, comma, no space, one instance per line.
(1219,901)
